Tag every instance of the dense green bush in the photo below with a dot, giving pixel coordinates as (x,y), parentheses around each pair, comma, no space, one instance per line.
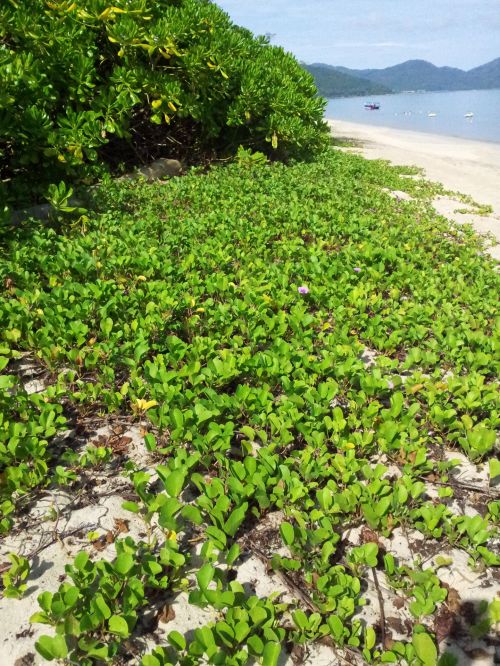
(93,83)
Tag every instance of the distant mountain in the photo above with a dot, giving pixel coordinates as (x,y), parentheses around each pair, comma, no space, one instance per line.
(409,75)
(415,75)
(486,76)
(332,82)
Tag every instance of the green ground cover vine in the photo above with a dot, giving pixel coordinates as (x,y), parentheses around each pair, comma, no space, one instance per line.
(230,314)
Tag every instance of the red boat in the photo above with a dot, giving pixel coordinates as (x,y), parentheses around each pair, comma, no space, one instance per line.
(372,106)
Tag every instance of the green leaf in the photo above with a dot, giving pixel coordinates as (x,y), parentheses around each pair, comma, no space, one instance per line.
(107,326)
(81,560)
(235,519)
(271,654)
(232,554)
(255,644)
(425,649)
(193,514)
(370,638)
(300,619)
(177,418)
(52,647)
(131,506)
(177,640)
(494,468)
(258,615)
(336,627)
(202,413)
(217,536)
(205,575)
(123,563)
(41,618)
(118,625)
(287,533)
(151,660)
(102,606)
(174,482)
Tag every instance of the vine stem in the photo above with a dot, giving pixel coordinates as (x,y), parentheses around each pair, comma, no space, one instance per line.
(381,604)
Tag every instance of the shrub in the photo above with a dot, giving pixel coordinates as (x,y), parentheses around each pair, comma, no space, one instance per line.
(93,84)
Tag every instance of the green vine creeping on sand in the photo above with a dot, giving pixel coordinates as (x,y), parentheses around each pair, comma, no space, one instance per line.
(293,342)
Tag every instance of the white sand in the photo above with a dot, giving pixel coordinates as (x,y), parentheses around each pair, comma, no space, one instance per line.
(461,165)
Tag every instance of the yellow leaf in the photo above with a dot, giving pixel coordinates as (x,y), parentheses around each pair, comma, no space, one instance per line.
(156,103)
(416,388)
(274,141)
(111,10)
(172,106)
(141,278)
(143,405)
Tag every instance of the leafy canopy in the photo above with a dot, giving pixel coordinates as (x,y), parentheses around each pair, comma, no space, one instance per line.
(93,83)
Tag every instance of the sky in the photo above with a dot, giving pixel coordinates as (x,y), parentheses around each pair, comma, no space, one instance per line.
(366,33)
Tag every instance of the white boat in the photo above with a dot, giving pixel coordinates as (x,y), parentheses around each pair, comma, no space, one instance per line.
(469,115)
(432,114)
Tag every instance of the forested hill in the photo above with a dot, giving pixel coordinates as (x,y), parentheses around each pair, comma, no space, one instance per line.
(332,82)
(409,75)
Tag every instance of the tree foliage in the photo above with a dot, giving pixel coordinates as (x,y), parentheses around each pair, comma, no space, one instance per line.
(93,83)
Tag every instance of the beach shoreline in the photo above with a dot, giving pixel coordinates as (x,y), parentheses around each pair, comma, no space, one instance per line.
(461,165)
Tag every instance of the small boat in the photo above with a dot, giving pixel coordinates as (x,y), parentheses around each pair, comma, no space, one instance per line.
(432,114)
(469,115)
(372,106)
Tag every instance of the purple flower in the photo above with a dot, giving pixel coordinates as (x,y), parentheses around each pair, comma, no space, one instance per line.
(303,289)
(357,269)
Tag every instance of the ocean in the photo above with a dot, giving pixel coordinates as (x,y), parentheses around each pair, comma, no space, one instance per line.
(411,111)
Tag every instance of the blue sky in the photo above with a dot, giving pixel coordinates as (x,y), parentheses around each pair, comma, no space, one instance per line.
(368,33)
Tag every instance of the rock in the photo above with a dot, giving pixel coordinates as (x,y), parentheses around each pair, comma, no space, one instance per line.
(40,212)
(159,169)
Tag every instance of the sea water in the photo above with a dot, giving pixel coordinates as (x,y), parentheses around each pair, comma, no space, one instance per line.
(411,111)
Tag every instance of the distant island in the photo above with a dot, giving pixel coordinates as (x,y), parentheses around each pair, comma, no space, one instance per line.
(411,75)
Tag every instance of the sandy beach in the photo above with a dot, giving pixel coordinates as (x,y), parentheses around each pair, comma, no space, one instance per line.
(462,165)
